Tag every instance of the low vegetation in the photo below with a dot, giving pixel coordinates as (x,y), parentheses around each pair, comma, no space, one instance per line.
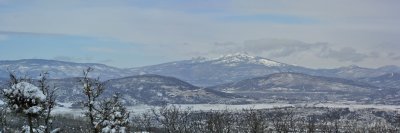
(174,119)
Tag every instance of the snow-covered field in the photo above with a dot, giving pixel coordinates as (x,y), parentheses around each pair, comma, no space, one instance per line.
(206,107)
(359,106)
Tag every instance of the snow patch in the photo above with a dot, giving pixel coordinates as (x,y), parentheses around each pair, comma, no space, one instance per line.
(33,110)
(239,58)
(28,90)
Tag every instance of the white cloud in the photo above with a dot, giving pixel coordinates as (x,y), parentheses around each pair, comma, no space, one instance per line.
(272,47)
(172,25)
(346,54)
(165,27)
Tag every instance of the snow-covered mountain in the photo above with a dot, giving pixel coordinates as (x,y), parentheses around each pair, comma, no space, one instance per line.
(235,78)
(57,69)
(235,67)
(298,87)
(155,89)
(296,81)
(146,89)
(197,71)
(228,68)
(241,59)
(353,72)
(390,80)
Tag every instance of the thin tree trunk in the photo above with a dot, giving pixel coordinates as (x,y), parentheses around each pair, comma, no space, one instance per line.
(47,130)
(30,124)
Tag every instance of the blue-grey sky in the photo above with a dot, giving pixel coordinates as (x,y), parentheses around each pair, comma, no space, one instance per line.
(130,33)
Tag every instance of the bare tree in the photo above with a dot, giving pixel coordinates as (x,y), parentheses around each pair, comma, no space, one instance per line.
(104,116)
(219,121)
(50,100)
(92,89)
(254,120)
(311,123)
(143,122)
(174,119)
(282,120)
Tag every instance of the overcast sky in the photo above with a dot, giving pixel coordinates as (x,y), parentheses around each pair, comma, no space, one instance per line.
(129,33)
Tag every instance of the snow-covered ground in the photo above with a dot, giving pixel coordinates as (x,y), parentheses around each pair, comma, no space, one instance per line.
(206,107)
(67,110)
(359,106)
(79,112)
(352,106)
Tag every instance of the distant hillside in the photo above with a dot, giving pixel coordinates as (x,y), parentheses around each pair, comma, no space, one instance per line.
(146,89)
(236,67)
(2,81)
(390,80)
(228,68)
(197,71)
(58,69)
(298,87)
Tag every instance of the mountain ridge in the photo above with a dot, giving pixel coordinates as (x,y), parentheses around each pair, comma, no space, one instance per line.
(145,89)
(198,71)
(297,87)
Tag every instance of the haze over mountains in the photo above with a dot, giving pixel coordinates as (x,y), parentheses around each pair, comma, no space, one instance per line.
(234,78)
(57,69)
(198,71)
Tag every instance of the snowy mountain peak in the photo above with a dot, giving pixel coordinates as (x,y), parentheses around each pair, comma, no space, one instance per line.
(238,56)
(243,58)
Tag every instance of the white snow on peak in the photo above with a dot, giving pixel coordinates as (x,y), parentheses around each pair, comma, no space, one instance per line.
(238,55)
(267,62)
(240,58)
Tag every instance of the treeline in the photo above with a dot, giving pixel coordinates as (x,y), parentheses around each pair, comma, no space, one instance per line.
(173,119)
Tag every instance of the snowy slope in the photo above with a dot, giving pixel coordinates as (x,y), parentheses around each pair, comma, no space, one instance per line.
(235,67)
(353,72)
(300,87)
(390,80)
(145,89)
(240,59)
(155,89)
(197,71)
(57,69)
(228,68)
(297,82)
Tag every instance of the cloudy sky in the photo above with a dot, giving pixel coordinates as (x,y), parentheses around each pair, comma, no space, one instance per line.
(130,33)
